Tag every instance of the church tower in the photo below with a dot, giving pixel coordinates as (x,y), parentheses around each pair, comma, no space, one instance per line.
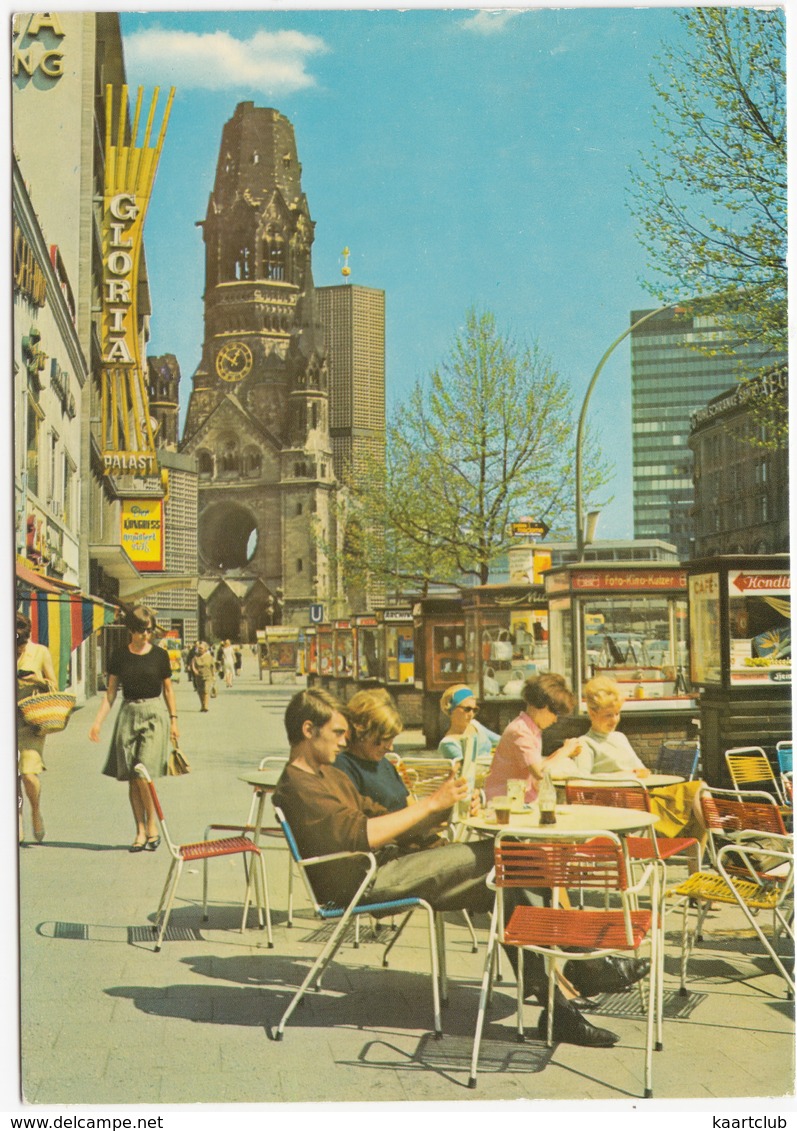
(258,415)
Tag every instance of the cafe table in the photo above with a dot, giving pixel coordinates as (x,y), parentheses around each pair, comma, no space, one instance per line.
(569,819)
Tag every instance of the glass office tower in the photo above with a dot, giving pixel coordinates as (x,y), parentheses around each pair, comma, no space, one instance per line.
(671,378)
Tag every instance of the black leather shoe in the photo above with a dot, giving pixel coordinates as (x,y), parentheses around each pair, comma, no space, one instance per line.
(606,975)
(572,1028)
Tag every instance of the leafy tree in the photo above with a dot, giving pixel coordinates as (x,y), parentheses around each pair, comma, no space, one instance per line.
(711,196)
(487,439)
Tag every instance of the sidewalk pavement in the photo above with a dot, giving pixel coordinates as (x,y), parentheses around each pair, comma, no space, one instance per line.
(105,1020)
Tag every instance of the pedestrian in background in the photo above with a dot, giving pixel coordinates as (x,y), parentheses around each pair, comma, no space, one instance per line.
(35,673)
(146,723)
(228,662)
(204,669)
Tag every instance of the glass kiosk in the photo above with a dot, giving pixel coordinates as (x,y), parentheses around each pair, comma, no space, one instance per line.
(740,625)
(628,622)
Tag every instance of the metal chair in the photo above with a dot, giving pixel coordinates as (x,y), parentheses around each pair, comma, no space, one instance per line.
(596,862)
(751,855)
(748,767)
(206,850)
(423,776)
(679,758)
(250,827)
(342,915)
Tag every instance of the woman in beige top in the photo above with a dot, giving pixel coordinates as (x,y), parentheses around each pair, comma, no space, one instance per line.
(35,673)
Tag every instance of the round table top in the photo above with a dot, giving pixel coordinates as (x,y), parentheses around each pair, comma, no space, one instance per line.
(652,781)
(262,779)
(569,819)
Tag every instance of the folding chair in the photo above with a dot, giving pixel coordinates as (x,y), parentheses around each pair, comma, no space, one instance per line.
(206,850)
(679,758)
(596,862)
(743,830)
(749,766)
(250,826)
(342,915)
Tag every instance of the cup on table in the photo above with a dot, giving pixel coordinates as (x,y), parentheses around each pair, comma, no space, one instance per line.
(502,807)
(516,791)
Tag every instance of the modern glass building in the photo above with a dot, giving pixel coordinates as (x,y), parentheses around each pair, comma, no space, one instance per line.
(354,322)
(671,378)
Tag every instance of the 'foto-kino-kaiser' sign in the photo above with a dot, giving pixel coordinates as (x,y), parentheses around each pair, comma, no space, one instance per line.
(128,445)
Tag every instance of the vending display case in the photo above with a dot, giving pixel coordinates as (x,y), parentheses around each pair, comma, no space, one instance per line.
(506,638)
(740,626)
(399,645)
(343,649)
(311,652)
(326,662)
(439,656)
(369,655)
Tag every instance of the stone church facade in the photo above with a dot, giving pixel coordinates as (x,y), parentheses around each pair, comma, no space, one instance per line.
(258,415)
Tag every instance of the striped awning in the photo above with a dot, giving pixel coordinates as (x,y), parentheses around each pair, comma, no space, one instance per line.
(61,617)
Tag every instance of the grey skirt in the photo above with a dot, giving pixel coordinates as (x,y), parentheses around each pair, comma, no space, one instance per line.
(141,734)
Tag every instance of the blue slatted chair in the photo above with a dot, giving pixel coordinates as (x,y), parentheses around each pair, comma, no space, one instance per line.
(342,915)
(679,758)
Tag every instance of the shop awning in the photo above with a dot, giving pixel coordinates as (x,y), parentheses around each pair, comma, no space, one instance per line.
(61,618)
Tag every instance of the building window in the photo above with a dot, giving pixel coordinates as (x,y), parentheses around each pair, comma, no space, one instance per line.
(299,508)
(299,565)
(69,490)
(32,458)
(205,464)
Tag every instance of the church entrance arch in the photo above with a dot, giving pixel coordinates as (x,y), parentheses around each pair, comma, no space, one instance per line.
(227,536)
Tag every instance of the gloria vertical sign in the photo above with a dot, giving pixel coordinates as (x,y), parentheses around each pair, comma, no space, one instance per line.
(128,446)
(142,532)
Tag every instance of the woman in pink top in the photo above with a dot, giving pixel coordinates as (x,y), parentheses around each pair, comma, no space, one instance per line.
(519,752)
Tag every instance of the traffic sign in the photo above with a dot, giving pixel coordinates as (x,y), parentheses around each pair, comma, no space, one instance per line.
(316,614)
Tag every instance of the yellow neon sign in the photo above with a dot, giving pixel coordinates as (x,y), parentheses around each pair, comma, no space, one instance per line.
(128,445)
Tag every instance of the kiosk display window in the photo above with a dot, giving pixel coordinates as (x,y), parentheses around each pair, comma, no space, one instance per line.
(343,645)
(400,651)
(759,626)
(370,660)
(326,664)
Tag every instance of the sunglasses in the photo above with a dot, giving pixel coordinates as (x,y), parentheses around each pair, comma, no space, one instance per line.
(141,631)
(470,710)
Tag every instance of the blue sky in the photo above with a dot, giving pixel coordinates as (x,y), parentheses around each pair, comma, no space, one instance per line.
(465,158)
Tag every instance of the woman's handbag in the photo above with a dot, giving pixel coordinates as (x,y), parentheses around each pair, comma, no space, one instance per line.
(178,764)
(48,712)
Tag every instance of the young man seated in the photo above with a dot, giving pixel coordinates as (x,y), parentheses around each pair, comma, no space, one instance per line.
(327,814)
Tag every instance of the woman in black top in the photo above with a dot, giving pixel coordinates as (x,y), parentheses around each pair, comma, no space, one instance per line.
(144,728)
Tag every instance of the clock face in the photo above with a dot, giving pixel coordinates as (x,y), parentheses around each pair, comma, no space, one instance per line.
(233,361)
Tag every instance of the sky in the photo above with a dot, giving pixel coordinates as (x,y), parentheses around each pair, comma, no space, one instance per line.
(467,158)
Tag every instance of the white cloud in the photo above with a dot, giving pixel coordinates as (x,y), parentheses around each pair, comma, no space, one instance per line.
(270,62)
(490,21)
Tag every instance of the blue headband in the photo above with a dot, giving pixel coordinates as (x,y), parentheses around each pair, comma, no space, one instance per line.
(458,696)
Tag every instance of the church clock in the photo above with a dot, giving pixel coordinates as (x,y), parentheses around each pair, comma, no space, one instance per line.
(233,361)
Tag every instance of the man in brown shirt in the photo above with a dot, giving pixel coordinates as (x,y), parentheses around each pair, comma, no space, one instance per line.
(327,814)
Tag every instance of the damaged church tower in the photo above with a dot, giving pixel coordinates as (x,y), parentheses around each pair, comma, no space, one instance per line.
(258,415)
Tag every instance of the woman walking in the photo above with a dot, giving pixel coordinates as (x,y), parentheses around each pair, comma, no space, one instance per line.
(35,673)
(204,668)
(228,662)
(146,723)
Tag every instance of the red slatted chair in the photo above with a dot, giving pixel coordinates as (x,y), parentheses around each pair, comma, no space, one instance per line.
(630,796)
(595,862)
(206,850)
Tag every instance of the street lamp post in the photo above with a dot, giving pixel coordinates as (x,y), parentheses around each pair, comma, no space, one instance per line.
(580,539)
